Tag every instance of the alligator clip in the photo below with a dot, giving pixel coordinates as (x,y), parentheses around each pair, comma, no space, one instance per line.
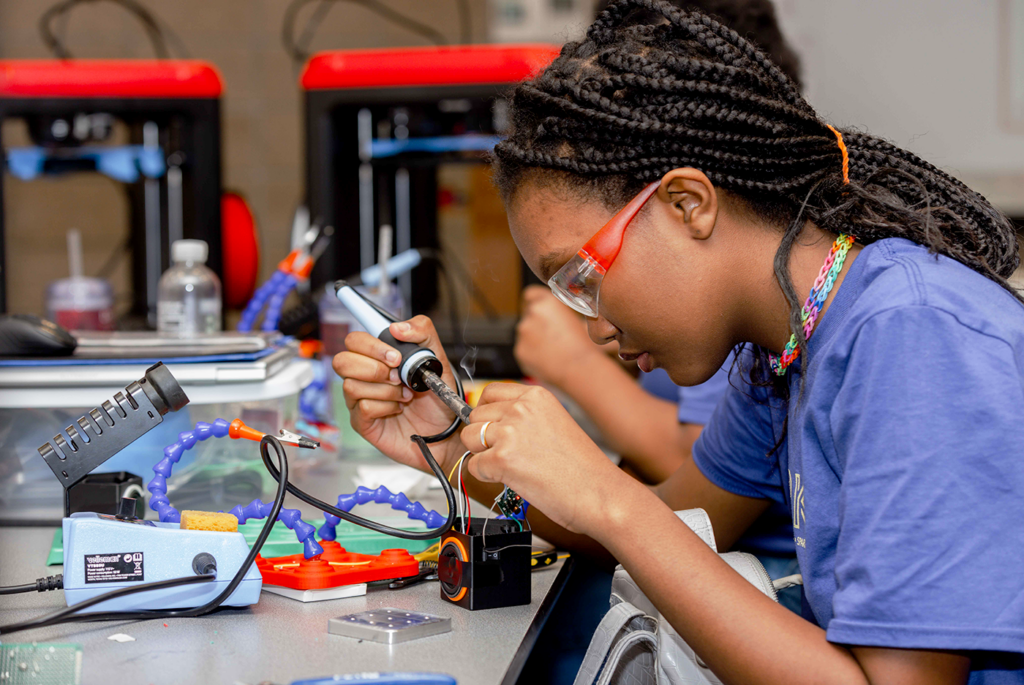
(289,438)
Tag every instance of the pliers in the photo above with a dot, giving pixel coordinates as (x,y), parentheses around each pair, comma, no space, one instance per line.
(292,270)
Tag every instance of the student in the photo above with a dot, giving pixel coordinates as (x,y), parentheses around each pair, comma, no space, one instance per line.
(652,427)
(892,423)
(640,423)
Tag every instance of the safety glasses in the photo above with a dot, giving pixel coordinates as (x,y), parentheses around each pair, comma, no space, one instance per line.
(578,282)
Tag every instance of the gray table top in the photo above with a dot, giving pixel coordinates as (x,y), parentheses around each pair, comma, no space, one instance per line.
(281,640)
(278,640)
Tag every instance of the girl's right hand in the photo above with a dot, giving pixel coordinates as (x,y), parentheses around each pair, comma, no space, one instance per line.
(384,411)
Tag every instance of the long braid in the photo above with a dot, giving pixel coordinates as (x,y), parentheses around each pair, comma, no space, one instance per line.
(637,99)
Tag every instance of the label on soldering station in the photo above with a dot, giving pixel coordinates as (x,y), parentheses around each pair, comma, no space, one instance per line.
(114,568)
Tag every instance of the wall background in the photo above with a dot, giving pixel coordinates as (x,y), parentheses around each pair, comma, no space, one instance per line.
(942,78)
(261,118)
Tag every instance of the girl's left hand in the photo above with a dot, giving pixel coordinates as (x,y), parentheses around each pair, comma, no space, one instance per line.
(534,447)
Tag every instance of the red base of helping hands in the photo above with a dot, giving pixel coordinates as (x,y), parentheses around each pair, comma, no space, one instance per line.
(336,567)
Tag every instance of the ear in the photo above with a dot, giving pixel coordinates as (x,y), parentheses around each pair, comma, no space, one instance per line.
(692,199)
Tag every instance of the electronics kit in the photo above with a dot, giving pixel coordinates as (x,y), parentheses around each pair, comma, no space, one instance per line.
(121,566)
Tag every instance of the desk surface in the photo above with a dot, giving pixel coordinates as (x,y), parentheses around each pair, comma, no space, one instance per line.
(281,640)
(278,640)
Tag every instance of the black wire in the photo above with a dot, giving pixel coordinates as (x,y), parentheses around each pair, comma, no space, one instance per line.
(420,441)
(149,23)
(44,584)
(71,615)
(58,616)
(298,49)
(16,589)
(373,525)
(447,432)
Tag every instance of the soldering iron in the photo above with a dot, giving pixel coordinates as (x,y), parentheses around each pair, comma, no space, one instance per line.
(421,370)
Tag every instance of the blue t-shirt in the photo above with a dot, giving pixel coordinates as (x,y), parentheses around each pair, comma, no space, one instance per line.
(772,533)
(903,465)
(697,402)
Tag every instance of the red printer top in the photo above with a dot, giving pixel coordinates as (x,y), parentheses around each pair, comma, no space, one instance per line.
(122,78)
(426,66)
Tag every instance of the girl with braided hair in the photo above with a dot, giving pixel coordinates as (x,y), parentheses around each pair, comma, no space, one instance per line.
(879,392)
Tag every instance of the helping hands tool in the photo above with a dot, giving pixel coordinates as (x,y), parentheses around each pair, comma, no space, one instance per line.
(292,270)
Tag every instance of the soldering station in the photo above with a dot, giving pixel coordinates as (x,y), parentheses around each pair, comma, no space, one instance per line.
(171,421)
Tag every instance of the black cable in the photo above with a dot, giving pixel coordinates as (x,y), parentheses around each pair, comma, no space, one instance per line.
(149,23)
(16,589)
(41,585)
(373,525)
(298,49)
(71,614)
(447,432)
(58,616)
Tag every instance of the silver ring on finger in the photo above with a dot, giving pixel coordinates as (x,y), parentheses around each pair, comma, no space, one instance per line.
(483,435)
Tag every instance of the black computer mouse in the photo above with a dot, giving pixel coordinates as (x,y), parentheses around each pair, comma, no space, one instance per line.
(24,335)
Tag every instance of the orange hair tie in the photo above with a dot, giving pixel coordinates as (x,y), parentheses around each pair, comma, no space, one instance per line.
(846,155)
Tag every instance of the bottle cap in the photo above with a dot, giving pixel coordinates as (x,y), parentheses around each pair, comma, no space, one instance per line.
(189,251)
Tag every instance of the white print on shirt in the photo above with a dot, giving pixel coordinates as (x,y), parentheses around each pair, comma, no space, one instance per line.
(796,493)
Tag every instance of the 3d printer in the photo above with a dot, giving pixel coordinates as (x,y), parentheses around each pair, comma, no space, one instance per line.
(399,137)
(171,164)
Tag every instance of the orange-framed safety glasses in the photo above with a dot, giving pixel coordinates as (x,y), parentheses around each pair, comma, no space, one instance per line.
(578,282)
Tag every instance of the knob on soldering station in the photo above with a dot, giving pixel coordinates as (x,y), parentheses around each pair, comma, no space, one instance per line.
(415,359)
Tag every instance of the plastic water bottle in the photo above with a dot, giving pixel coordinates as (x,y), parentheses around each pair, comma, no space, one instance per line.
(188,298)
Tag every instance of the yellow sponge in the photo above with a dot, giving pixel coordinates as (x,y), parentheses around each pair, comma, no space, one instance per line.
(208,520)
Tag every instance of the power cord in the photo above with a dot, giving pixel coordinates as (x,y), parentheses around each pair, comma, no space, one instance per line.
(157,31)
(41,585)
(298,48)
(421,442)
(73,613)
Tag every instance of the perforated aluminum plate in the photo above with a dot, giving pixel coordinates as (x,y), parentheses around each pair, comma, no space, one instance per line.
(40,664)
(389,626)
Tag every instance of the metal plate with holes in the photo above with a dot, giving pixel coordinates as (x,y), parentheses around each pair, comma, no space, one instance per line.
(40,664)
(389,626)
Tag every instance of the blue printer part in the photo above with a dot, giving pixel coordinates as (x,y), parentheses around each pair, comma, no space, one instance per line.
(103,553)
(472,142)
(121,163)
(397,265)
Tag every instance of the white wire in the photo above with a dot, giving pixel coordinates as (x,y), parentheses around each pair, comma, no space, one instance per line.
(462,506)
(464,496)
(460,502)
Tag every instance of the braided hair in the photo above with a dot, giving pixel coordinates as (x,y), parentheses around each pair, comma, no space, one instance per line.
(638,98)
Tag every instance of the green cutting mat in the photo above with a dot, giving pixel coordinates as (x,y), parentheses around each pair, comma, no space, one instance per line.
(282,541)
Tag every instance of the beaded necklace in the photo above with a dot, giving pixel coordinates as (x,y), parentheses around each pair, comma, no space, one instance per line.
(812,307)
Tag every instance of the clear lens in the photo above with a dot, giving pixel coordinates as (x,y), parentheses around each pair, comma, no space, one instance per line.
(578,284)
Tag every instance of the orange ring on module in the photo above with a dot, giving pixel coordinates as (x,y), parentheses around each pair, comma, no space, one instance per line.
(464,557)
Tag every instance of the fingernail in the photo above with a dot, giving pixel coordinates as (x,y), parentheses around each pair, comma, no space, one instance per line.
(393,376)
(393,357)
(403,327)
(406,394)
